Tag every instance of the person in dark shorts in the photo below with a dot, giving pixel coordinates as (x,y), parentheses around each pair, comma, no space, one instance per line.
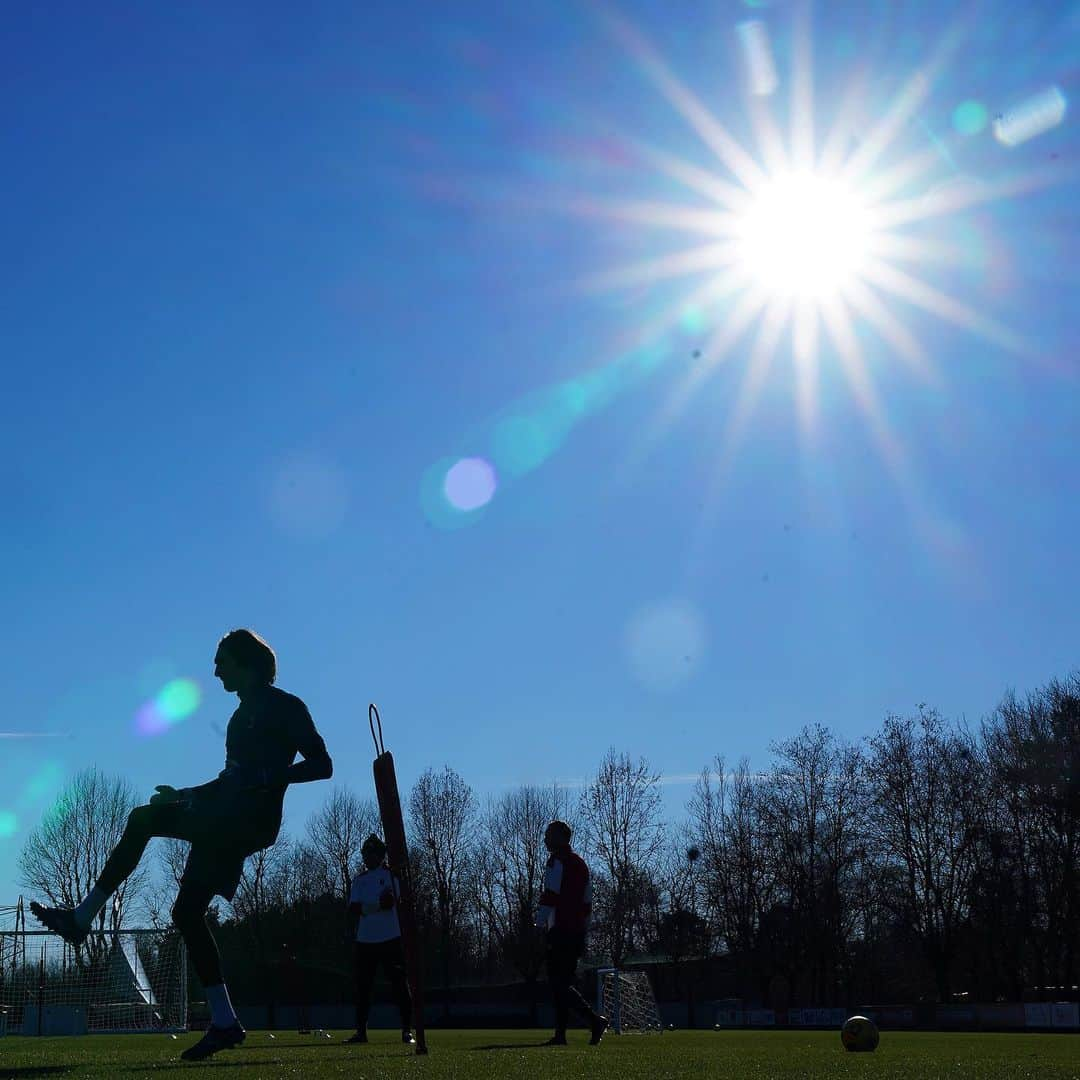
(226,820)
(564,913)
(377,933)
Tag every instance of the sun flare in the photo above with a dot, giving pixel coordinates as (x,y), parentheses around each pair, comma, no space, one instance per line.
(808,244)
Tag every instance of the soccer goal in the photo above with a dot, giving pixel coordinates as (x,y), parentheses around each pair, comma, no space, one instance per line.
(116,981)
(626,998)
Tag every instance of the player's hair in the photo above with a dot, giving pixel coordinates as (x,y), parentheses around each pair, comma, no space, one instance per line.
(250,651)
(562,829)
(375,842)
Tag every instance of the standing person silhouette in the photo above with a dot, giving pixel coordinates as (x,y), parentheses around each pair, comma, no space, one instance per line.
(377,931)
(227,819)
(564,913)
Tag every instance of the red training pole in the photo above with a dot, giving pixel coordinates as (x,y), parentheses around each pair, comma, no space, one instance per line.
(397,851)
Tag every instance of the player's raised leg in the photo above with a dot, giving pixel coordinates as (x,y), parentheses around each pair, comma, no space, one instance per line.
(162,817)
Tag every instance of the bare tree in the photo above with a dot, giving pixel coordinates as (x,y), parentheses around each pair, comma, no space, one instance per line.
(812,804)
(443,817)
(161,893)
(336,833)
(64,856)
(620,816)
(927,789)
(737,875)
(1032,886)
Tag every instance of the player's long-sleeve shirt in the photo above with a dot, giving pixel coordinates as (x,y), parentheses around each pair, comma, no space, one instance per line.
(566,902)
(264,736)
(376,923)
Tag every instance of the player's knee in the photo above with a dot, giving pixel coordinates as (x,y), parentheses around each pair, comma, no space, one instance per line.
(139,820)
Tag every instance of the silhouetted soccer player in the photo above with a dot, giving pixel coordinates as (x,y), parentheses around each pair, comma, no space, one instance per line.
(373,906)
(564,912)
(225,820)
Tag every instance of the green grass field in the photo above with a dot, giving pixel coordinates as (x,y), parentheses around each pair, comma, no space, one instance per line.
(494,1055)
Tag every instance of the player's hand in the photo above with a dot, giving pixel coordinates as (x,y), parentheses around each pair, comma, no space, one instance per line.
(164,794)
(247,776)
(386,899)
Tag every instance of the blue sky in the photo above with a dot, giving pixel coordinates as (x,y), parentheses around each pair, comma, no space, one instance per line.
(272,273)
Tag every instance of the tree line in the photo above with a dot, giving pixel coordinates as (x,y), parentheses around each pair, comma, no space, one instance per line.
(931,859)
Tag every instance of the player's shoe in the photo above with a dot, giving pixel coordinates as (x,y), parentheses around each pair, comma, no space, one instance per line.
(407,1036)
(599,1026)
(357,1036)
(555,1040)
(60,921)
(214,1040)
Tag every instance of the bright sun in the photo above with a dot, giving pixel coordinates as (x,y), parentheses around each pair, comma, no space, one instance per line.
(806,242)
(803,235)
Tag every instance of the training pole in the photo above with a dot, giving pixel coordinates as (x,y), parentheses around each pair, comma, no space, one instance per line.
(397,852)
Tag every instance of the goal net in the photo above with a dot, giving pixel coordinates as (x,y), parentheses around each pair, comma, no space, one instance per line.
(116,981)
(626,998)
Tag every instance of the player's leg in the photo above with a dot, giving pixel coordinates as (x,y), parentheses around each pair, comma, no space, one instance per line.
(143,823)
(189,916)
(575,948)
(560,971)
(575,999)
(365,960)
(394,966)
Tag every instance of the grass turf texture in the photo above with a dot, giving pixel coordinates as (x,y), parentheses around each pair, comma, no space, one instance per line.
(493,1055)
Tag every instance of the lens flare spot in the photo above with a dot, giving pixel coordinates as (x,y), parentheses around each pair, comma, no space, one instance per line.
(970,118)
(176,700)
(757,55)
(149,720)
(9,824)
(521,444)
(179,698)
(1036,115)
(692,320)
(664,645)
(470,484)
(43,782)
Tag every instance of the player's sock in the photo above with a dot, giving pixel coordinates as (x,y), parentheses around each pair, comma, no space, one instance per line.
(87,911)
(222,1013)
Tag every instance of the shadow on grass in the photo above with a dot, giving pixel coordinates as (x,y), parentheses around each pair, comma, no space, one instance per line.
(39,1070)
(513,1046)
(360,1050)
(163,1066)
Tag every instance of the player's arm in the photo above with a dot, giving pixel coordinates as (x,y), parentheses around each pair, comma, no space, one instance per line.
(545,913)
(353,915)
(316,763)
(353,912)
(164,793)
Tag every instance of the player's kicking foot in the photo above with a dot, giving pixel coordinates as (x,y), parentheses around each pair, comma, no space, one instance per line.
(599,1026)
(555,1040)
(357,1036)
(60,921)
(407,1036)
(214,1040)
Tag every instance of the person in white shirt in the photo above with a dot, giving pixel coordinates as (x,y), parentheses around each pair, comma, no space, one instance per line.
(373,906)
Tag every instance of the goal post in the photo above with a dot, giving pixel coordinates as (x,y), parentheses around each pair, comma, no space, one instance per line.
(626,998)
(117,981)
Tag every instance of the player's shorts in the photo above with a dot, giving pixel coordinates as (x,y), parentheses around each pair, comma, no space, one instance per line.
(221,838)
(217,870)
